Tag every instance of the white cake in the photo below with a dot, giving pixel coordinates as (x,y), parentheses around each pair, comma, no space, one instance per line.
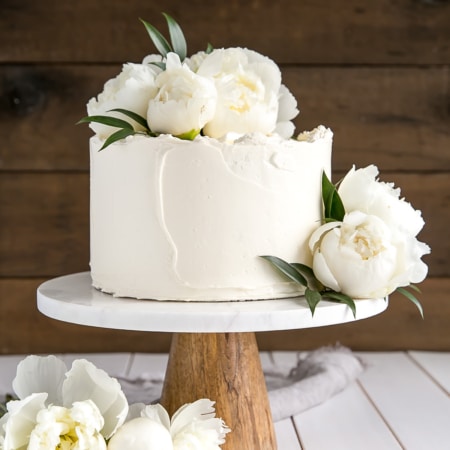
(188,220)
(201,191)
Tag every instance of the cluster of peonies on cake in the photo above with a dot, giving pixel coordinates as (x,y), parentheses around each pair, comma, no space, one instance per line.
(216,92)
(85,409)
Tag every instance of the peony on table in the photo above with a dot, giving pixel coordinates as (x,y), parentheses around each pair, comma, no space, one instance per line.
(85,409)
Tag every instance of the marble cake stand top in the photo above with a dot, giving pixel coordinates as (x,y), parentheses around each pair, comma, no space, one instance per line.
(71,298)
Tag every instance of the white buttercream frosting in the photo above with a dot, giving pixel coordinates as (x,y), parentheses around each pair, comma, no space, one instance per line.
(188,220)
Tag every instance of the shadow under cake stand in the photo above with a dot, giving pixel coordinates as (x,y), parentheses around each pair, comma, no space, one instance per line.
(213,353)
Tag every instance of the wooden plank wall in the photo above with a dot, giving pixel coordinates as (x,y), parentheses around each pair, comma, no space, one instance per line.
(376,72)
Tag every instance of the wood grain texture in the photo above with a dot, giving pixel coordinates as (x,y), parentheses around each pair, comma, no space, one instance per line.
(224,367)
(398,118)
(45,224)
(24,330)
(381,32)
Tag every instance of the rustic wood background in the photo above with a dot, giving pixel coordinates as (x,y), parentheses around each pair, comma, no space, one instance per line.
(376,72)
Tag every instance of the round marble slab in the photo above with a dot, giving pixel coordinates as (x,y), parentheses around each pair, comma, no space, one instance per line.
(71,298)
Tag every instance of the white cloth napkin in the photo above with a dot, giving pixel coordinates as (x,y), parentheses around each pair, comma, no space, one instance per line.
(317,376)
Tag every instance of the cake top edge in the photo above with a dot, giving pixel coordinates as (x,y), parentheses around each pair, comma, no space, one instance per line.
(318,134)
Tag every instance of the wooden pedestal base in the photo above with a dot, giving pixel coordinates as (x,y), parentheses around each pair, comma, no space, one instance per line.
(224,367)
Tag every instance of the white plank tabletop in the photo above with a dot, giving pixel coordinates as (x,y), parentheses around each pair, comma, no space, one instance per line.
(415,407)
(401,400)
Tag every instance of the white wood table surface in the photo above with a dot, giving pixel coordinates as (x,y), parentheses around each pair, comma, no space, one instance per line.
(401,401)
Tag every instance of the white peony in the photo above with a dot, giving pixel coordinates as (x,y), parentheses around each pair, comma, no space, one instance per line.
(193,427)
(131,89)
(248,86)
(363,257)
(50,396)
(360,190)
(184,103)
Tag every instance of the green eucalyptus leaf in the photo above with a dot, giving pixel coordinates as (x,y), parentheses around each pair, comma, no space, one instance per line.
(209,48)
(117,136)
(414,288)
(158,39)
(287,269)
(312,298)
(107,120)
(176,37)
(308,274)
(327,193)
(136,117)
(412,298)
(333,206)
(338,297)
(328,220)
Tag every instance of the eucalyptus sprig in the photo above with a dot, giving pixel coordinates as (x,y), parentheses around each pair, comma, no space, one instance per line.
(125,128)
(315,291)
(177,42)
(410,296)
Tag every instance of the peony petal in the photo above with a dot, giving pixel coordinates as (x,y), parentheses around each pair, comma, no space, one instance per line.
(40,374)
(134,411)
(316,236)
(22,420)
(194,425)
(361,190)
(157,413)
(151,59)
(285,129)
(84,381)
(200,410)
(141,434)
(87,413)
(288,105)
(323,272)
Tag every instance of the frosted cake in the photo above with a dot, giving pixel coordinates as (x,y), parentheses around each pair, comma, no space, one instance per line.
(198,176)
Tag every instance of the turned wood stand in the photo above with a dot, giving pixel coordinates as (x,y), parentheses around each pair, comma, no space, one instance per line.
(213,354)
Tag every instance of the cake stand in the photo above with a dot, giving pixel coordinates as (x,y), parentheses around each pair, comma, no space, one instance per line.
(213,353)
